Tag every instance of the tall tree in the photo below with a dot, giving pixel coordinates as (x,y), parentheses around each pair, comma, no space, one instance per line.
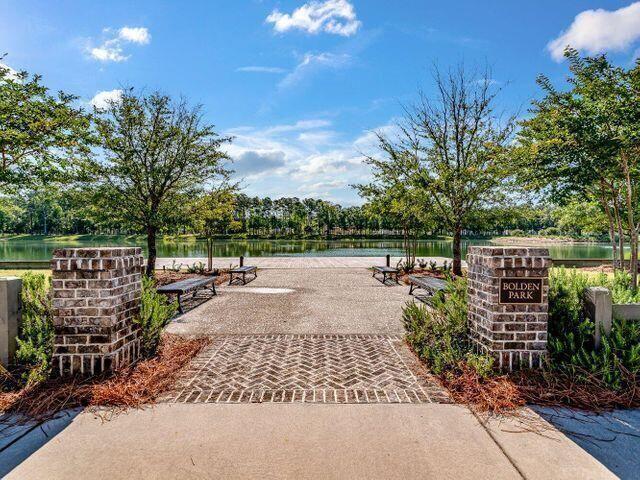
(43,137)
(158,153)
(584,141)
(452,146)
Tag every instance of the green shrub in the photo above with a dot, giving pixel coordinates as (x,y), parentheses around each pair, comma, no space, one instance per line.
(571,331)
(439,334)
(550,232)
(516,232)
(35,338)
(482,364)
(155,313)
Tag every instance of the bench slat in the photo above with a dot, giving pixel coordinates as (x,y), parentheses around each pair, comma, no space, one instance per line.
(430,283)
(385,269)
(246,269)
(186,285)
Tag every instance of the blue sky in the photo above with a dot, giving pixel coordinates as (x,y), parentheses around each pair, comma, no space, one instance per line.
(302,85)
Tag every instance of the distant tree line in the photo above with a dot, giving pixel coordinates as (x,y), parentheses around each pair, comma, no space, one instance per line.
(67,212)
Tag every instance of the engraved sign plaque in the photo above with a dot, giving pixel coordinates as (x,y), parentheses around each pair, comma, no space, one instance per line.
(520,291)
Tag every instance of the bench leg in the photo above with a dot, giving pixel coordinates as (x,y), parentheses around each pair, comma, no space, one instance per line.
(180,310)
(411,289)
(244,278)
(230,278)
(213,289)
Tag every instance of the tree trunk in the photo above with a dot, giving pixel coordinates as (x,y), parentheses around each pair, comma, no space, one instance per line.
(210,254)
(616,211)
(457,251)
(151,247)
(612,231)
(633,229)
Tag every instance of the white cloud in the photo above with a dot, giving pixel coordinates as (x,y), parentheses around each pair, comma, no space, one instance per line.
(599,31)
(112,49)
(300,125)
(109,51)
(331,16)
(138,35)
(302,158)
(311,63)
(259,69)
(102,100)
(322,137)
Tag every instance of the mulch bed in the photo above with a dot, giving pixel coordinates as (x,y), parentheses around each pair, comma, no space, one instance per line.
(132,387)
(503,394)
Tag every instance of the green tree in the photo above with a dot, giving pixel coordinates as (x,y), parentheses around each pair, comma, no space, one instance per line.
(391,196)
(584,141)
(452,147)
(157,154)
(213,214)
(43,138)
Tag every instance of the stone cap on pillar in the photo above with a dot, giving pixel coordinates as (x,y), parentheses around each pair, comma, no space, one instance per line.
(96,258)
(508,251)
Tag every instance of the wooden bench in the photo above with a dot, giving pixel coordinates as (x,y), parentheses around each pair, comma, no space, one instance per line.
(432,285)
(243,271)
(187,286)
(386,272)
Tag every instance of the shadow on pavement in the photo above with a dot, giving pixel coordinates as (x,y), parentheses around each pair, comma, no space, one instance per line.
(613,438)
(19,440)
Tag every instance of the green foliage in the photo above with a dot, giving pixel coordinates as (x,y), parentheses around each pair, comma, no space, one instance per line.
(212,214)
(516,232)
(35,339)
(155,313)
(406,266)
(482,364)
(158,154)
(579,217)
(43,137)
(550,232)
(439,334)
(196,267)
(571,331)
(175,266)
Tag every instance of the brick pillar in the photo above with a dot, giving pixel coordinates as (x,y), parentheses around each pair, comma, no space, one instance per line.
(96,295)
(508,303)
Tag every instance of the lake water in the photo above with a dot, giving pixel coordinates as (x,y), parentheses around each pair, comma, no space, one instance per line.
(41,249)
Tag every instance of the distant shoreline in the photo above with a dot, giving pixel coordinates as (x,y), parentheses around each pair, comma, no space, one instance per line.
(539,240)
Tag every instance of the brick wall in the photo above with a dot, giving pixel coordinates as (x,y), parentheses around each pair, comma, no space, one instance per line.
(516,335)
(96,295)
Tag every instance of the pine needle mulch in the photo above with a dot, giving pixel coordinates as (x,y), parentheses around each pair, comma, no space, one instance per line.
(132,387)
(504,394)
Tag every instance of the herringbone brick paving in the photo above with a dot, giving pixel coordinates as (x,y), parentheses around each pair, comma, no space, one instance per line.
(307,368)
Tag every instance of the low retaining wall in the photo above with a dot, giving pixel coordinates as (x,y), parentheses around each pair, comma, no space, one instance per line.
(10,309)
(602,311)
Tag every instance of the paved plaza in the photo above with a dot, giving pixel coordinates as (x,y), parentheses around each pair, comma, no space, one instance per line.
(307,376)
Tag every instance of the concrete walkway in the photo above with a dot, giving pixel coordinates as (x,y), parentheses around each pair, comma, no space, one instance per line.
(297,330)
(303,441)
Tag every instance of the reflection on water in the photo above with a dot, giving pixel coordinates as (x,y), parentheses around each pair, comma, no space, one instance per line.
(42,249)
